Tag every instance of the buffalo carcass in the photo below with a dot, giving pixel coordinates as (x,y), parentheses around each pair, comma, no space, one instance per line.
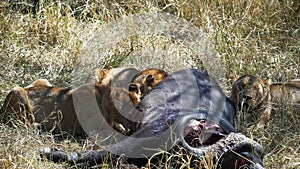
(187,110)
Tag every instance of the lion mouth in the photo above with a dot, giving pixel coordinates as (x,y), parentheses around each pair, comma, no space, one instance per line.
(245,105)
(201,133)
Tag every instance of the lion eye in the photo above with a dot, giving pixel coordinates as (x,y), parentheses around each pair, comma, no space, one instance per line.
(241,86)
(257,87)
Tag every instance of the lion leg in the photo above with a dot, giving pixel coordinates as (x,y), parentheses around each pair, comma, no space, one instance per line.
(264,119)
(265,116)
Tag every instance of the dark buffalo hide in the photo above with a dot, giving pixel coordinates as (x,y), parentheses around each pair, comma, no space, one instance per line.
(186,103)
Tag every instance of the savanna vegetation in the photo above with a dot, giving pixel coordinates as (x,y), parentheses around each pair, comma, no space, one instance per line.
(63,40)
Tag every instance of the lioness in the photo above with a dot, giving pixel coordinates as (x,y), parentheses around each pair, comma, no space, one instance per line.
(145,80)
(286,92)
(256,97)
(140,82)
(54,107)
(153,76)
(117,77)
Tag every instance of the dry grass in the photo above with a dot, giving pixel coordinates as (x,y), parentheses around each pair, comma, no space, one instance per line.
(255,37)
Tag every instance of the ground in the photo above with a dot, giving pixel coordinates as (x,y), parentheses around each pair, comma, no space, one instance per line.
(62,41)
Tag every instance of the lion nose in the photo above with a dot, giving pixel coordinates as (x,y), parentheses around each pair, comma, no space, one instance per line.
(247,97)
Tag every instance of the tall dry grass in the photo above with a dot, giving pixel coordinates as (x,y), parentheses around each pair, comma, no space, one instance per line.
(45,40)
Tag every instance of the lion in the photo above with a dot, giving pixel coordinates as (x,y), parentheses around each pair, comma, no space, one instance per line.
(153,76)
(120,77)
(257,97)
(17,100)
(140,83)
(252,96)
(145,80)
(286,92)
(54,108)
(36,103)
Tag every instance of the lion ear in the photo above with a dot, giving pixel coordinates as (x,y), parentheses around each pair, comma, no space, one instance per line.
(233,77)
(268,81)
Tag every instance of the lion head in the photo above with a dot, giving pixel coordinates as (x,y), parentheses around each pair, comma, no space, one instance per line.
(144,81)
(140,83)
(249,92)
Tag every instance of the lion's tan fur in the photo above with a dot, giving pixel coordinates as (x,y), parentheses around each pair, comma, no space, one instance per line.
(39,83)
(146,80)
(140,83)
(53,107)
(158,75)
(263,96)
(251,95)
(288,92)
(112,77)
